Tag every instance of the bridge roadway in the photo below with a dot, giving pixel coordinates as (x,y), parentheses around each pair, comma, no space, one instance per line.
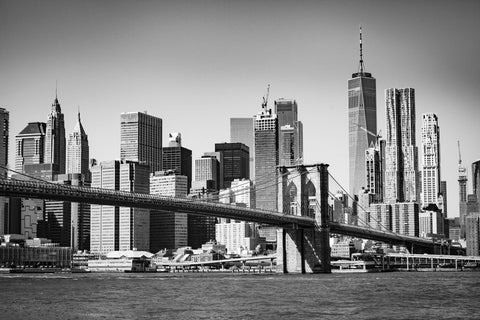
(61,192)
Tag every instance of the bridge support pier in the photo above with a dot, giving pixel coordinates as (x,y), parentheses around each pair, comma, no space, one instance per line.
(303,190)
(301,251)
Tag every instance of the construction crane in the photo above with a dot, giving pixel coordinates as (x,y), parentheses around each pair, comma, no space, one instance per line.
(376,136)
(265,99)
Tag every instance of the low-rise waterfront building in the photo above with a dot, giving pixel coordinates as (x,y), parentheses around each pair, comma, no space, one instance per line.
(121,261)
(18,252)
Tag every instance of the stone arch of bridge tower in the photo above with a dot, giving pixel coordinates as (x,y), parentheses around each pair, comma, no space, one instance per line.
(310,205)
(304,249)
(291,204)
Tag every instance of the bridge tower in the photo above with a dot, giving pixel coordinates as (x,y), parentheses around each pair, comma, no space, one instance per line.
(303,191)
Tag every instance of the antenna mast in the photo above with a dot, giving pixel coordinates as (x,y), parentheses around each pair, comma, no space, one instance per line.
(362,67)
(459,154)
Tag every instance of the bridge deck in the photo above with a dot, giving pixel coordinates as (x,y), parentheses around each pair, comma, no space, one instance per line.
(60,192)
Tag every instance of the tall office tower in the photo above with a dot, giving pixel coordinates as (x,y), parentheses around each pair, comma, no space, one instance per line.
(78,173)
(104,220)
(4,201)
(241,130)
(134,224)
(243,192)
(55,138)
(207,179)
(431,224)
(141,139)
(208,168)
(462,192)
(10,217)
(476,178)
(286,111)
(266,158)
(34,219)
(290,132)
(401,153)
(362,121)
(405,218)
(168,230)
(236,235)
(381,216)
(443,193)
(286,146)
(219,157)
(119,228)
(374,171)
(340,204)
(472,222)
(79,214)
(235,162)
(365,199)
(472,204)
(57,216)
(78,151)
(431,159)
(177,158)
(4,122)
(29,144)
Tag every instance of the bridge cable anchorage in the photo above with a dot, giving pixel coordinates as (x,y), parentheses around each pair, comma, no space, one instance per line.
(386,230)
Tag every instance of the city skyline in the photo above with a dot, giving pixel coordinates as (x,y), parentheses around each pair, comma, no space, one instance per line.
(182,79)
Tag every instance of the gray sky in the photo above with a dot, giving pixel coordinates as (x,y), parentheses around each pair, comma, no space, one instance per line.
(196,64)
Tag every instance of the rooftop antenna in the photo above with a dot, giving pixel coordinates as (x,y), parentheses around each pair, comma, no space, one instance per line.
(459,154)
(78,113)
(362,67)
(56,86)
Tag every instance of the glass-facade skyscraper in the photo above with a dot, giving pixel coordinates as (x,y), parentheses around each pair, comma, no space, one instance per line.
(177,158)
(362,122)
(290,133)
(241,130)
(266,159)
(235,161)
(141,139)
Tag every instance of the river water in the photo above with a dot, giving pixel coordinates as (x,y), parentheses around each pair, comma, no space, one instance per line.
(394,295)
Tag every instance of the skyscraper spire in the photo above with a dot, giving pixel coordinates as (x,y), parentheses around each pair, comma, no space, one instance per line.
(362,67)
